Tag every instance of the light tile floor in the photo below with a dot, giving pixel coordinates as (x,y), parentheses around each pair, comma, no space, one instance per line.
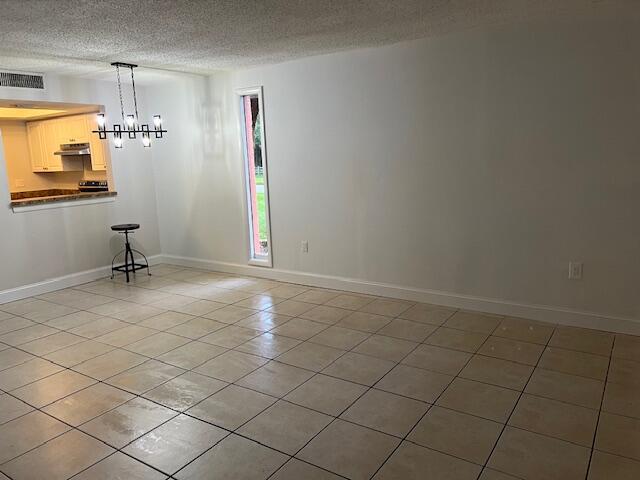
(191,374)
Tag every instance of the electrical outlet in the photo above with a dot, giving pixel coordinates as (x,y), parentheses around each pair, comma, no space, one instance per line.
(575,270)
(304,246)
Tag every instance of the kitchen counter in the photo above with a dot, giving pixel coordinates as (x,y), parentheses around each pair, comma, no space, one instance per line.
(51,192)
(40,197)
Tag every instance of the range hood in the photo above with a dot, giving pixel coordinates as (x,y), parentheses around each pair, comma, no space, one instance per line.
(73,149)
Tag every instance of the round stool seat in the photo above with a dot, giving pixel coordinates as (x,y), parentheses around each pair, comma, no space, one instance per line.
(125,227)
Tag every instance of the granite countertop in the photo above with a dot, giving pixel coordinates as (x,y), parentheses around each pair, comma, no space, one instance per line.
(51,192)
(52,196)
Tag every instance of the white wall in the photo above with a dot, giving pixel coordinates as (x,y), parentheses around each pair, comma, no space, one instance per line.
(477,163)
(40,245)
(198,177)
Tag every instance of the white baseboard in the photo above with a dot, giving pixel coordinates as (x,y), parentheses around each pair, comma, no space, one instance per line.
(58,283)
(544,313)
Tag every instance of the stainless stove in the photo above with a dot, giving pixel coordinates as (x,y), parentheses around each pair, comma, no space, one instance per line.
(93,186)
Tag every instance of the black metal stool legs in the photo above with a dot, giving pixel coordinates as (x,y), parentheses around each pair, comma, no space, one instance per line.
(146,262)
(129,266)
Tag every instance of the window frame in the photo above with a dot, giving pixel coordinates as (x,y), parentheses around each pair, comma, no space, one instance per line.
(254,258)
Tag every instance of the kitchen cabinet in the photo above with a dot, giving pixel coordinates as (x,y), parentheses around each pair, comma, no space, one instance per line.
(98,159)
(43,139)
(35,135)
(46,136)
(73,129)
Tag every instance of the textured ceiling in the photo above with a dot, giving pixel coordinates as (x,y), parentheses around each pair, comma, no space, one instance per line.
(198,36)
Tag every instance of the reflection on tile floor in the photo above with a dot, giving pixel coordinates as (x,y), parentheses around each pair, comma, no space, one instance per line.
(191,374)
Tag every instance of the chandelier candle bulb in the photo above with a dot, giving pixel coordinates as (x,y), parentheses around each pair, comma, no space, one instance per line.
(157,122)
(146,137)
(100,120)
(117,136)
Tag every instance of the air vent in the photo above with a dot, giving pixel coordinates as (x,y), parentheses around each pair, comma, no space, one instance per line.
(21,80)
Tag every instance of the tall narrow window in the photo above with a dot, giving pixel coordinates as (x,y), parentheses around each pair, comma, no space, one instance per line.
(255,161)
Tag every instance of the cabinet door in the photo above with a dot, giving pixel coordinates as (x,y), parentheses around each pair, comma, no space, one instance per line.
(35,131)
(51,143)
(98,162)
(73,129)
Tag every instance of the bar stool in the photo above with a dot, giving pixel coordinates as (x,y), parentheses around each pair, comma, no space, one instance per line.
(132,266)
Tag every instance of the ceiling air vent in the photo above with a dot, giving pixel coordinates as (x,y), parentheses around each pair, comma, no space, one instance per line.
(21,80)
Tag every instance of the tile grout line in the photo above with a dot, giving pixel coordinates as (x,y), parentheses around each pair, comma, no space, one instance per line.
(268,359)
(44,323)
(150,304)
(74,428)
(285,401)
(233,348)
(116,449)
(115,452)
(432,405)
(604,390)
(147,359)
(515,405)
(167,330)
(185,412)
(136,396)
(178,412)
(337,417)
(235,431)
(345,409)
(202,316)
(334,417)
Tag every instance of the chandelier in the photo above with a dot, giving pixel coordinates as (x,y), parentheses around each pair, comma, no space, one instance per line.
(130,126)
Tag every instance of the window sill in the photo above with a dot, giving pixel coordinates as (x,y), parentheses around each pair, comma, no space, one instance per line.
(260,262)
(61,201)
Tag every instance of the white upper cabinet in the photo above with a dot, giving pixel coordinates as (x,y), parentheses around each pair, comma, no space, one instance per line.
(73,129)
(98,160)
(53,130)
(46,136)
(44,140)
(53,163)
(35,134)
